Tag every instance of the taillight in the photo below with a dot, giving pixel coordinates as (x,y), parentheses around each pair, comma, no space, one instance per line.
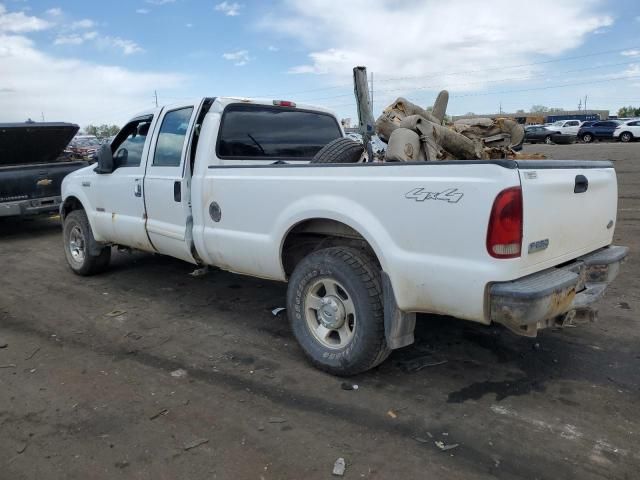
(284,103)
(504,237)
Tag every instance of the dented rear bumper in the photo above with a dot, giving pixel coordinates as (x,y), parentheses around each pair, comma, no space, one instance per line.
(556,296)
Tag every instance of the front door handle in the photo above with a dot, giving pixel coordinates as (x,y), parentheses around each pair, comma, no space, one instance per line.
(137,189)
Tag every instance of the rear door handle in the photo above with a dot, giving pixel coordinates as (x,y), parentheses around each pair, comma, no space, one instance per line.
(582,184)
(177,191)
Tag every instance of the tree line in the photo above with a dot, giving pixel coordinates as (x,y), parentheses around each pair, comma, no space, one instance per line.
(102,131)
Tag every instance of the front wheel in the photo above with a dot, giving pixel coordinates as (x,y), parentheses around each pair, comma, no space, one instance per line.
(626,137)
(335,309)
(548,140)
(83,256)
(587,138)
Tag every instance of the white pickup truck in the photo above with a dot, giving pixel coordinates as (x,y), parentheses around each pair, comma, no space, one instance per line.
(566,127)
(230,183)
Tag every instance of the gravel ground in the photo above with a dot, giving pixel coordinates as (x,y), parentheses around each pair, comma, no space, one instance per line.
(148,373)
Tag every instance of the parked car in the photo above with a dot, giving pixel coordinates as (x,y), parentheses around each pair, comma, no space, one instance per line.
(598,131)
(628,131)
(242,185)
(85,146)
(32,166)
(565,126)
(535,134)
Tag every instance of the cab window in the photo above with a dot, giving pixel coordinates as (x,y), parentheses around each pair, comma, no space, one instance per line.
(262,132)
(128,145)
(173,132)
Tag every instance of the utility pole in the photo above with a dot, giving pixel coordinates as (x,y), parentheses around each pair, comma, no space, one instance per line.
(155,96)
(585,103)
(42,115)
(580,105)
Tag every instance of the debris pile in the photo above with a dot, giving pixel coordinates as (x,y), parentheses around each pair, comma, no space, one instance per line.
(416,134)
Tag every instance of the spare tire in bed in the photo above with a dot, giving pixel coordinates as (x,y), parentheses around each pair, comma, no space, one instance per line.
(340,150)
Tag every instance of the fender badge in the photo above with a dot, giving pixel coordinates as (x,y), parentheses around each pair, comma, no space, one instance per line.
(539,245)
(610,224)
(45,182)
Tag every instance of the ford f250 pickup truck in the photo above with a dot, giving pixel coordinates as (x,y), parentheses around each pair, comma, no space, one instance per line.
(230,183)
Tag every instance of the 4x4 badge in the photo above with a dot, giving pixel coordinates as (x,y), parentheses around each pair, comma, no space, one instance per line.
(451,195)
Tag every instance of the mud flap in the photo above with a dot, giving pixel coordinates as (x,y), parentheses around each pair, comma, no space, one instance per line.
(398,325)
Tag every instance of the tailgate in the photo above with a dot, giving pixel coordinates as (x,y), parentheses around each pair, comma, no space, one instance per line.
(569,208)
(34,181)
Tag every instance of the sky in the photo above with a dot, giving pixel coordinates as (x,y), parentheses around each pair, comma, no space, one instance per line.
(102,62)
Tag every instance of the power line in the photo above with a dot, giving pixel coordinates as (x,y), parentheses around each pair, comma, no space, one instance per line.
(504,92)
(436,87)
(543,62)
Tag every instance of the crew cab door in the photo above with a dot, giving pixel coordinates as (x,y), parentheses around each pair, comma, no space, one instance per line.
(117,197)
(167,182)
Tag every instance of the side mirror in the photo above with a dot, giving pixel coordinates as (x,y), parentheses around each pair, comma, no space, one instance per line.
(105,160)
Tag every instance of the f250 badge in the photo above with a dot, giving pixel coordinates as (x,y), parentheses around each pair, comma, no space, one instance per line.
(451,195)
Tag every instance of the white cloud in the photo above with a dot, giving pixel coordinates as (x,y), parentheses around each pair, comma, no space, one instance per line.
(54,12)
(239,58)
(143,11)
(228,8)
(128,47)
(18,22)
(160,2)
(75,39)
(188,25)
(630,53)
(426,38)
(99,94)
(272,48)
(82,24)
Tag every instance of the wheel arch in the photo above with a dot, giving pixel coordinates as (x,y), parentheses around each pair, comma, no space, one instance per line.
(627,131)
(70,204)
(311,234)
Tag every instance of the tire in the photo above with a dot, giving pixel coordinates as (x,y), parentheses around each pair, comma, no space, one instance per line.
(626,137)
(587,138)
(548,140)
(80,246)
(346,285)
(340,150)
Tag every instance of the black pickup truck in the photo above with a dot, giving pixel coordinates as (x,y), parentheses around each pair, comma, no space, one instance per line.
(32,166)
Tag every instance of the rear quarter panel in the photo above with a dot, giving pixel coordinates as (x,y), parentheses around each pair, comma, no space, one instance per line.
(427,223)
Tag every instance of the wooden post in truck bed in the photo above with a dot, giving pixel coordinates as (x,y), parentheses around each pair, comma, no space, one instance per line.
(366,121)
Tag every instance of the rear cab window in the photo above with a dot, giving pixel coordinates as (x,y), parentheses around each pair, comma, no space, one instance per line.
(271,133)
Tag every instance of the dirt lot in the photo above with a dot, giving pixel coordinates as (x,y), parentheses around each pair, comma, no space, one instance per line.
(87,389)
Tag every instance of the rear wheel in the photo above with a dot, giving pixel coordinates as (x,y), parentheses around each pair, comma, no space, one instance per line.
(80,246)
(335,309)
(587,138)
(548,140)
(626,137)
(340,150)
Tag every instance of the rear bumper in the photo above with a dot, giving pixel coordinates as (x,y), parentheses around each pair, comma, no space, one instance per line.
(556,296)
(30,207)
